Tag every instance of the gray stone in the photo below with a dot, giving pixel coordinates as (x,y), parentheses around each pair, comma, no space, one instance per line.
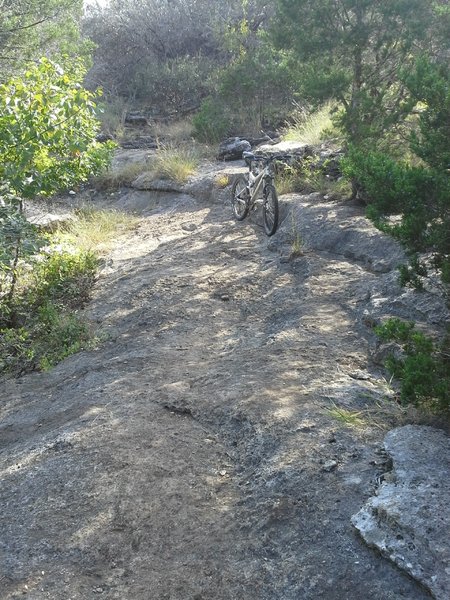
(329,466)
(146,181)
(232,148)
(296,148)
(408,520)
(139,142)
(136,119)
(47,218)
(342,230)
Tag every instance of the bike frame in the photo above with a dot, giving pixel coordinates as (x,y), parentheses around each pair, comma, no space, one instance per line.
(258,182)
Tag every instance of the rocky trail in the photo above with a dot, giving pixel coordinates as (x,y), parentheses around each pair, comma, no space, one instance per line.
(196,455)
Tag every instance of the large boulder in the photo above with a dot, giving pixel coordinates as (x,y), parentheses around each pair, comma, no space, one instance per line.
(232,148)
(47,218)
(298,149)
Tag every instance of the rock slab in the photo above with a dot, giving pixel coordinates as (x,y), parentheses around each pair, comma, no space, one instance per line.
(408,520)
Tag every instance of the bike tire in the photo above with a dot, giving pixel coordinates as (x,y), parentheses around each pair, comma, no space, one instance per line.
(240,198)
(270,210)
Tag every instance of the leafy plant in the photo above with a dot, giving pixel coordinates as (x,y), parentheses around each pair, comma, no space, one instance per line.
(211,123)
(46,326)
(424,370)
(419,195)
(47,143)
(48,125)
(54,283)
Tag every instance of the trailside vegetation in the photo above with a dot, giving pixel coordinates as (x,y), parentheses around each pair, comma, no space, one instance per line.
(48,126)
(30,29)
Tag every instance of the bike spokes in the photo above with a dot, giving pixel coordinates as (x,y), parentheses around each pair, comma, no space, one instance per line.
(240,198)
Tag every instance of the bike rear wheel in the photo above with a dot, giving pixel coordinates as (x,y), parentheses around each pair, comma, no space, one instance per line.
(270,210)
(240,197)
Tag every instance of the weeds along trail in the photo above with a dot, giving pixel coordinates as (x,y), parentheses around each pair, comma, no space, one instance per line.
(194,454)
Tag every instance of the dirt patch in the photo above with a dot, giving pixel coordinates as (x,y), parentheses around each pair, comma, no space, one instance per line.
(193,456)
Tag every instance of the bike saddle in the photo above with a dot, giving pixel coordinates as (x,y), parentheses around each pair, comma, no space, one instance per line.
(248,157)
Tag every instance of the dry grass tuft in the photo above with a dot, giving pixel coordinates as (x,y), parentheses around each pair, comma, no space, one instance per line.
(95,230)
(119,177)
(313,128)
(175,163)
(221,181)
(176,132)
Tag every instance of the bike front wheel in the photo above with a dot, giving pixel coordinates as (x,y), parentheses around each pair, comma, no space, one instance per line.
(270,210)
(240,198)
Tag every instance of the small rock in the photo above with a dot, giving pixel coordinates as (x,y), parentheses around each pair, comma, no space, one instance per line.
(189,226)
(225,297)
(329,465)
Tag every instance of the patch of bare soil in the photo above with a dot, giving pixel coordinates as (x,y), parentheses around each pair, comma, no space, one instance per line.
(193,455)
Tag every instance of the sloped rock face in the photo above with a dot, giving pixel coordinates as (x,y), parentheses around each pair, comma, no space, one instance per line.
(341,229)
(146,181)
(409,520)
(47,218)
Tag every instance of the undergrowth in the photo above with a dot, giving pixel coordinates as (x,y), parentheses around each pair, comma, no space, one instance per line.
(308,176)
(42,323)
(95,229)
(312,128)
(175,163)
(423,368)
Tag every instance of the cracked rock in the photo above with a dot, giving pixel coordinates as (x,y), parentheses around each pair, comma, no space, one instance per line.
(408,520)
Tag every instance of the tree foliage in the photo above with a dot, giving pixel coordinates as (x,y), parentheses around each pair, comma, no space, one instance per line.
(351,50)
(47,143)
(48,125)
(170,55)
(33,28)
(424,367)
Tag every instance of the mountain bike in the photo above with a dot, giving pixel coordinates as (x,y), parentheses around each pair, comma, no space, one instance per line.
(257,187)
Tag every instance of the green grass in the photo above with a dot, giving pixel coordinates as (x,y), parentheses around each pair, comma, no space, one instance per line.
(350,418)
(313,128)
(307,178)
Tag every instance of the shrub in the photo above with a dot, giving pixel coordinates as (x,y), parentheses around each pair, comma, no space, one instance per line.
(310,175)
(424,371)
(46,327)
(63,276)
(41,324)
(211,123)
(172,86)
(418,194)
